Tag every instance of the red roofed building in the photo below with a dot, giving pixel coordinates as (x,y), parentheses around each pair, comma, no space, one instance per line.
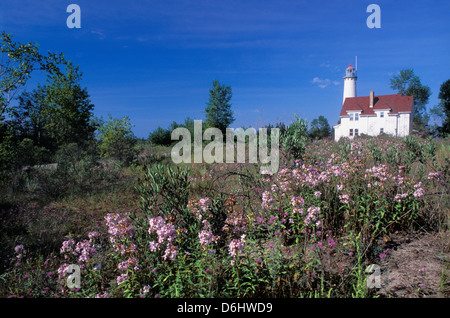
(372,115)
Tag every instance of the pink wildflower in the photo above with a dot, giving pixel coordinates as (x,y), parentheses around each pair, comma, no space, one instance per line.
(398,197)
(170,252)
(297,204)
(236,246)
(118,227)
(62,270)
(419,193)
(120,279)
(85,250)
(344,198)
(92,235)
(204,204)
(166,233)
(206,237)
(125,265)
(267,200)
(312,216)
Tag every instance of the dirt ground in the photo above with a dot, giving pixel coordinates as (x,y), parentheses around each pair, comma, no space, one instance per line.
(416,265)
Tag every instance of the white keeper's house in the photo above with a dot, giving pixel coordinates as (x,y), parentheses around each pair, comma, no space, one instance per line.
(373,114)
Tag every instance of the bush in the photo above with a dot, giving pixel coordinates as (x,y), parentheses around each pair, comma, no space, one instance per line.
(28,154)
(295,138)
(161,137)
(117,140)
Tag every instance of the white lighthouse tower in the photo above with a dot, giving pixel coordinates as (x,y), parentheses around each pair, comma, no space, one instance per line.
(349,83)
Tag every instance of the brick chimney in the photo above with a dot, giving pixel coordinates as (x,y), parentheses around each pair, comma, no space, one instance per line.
(371,99)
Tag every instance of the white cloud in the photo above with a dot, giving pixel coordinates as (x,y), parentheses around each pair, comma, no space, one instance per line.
(100,34)
(322,83)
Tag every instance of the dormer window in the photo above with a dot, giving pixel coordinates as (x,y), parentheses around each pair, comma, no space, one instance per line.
(381,114)
(351,117)
(356,116)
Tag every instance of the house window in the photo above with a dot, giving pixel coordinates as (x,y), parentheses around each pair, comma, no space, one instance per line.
(351,132)
(351,117)
(356,132)
(356,116)
(381,130)
(381,114)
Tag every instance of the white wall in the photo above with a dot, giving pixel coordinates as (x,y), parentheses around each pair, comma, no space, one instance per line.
(395,125)
(404,124)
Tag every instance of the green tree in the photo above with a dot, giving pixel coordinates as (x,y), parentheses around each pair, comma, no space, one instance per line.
(408,84)
(55,114)
(29,138)
(26,118)
(442,110)
(218,109)
(189,125)
(295,138)
(160,136)
(117,139)
(17,62)
(68,111)
(320,128)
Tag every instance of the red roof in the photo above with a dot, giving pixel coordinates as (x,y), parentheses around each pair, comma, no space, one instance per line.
(393,103)
(350,67)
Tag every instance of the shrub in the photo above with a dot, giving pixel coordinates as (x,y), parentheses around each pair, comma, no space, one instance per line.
(117,140)
(160,137)
(295,138)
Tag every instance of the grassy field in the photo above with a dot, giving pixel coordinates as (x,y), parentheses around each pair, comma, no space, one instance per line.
(156,229)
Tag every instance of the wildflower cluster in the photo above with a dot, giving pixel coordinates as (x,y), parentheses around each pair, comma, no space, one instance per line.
(268,200)
(277,236)
(81,253)
(297,205)
(206,237)
(235,248)
(200,207)
(166,235)
(120,229)
(436,176)
(313,216)
(131,263)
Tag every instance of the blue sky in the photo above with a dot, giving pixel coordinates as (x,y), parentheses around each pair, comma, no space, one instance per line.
(154,61)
